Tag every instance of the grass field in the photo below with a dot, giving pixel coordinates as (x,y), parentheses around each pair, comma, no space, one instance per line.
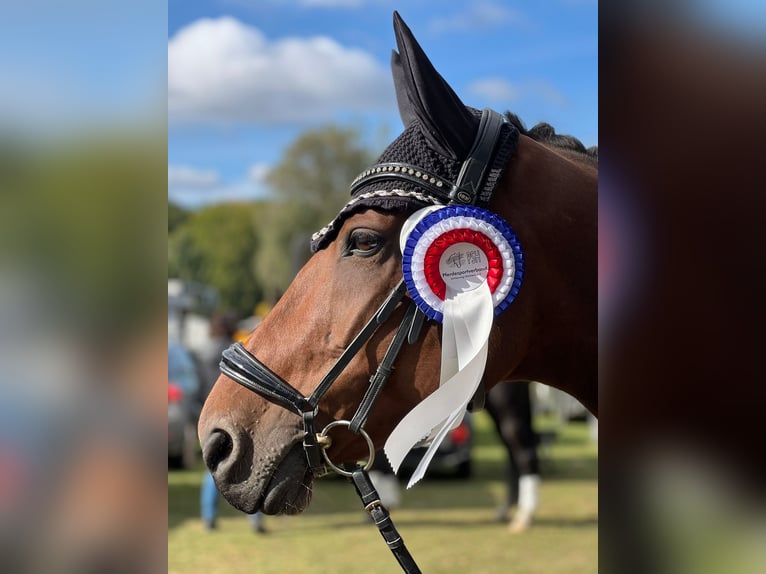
(448,524)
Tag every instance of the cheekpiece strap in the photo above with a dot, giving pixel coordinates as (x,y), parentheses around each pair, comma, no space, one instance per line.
(469,186)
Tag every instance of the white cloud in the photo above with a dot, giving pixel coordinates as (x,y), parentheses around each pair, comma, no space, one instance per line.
(228,192)
(186,176)
(547,92)
(478,16)
(500,91)
(193,187)
(223,71)
(332,3)
(307,3)
(258,172)
(494,89)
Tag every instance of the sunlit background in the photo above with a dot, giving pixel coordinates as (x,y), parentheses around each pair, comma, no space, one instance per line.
(273,109)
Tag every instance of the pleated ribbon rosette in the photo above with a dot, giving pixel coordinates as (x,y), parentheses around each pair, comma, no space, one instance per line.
(462,265)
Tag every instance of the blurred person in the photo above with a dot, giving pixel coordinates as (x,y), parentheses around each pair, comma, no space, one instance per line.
(510,407)
(103,496)
(223,328)
(209,497)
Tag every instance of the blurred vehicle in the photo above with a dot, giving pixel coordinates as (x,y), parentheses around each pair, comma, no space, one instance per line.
(453,456)
(183,407)
(549,400)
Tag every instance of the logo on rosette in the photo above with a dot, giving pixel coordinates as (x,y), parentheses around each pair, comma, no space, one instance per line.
(455,249)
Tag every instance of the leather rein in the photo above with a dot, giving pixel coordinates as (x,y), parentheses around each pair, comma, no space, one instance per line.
(243,367)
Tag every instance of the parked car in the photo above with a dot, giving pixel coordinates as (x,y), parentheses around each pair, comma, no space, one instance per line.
(183,407)
(453,456)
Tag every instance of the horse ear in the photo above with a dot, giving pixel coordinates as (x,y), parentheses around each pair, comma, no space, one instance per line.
(422,93)
(406,109)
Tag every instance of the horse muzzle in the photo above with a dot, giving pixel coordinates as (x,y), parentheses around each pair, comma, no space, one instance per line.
(269,475)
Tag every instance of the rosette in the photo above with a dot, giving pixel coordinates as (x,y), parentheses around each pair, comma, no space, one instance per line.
(462,246)
(462,265)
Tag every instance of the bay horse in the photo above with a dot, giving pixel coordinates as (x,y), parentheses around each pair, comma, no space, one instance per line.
(261,447)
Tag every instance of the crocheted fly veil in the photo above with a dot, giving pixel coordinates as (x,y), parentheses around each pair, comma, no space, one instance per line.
(439,132)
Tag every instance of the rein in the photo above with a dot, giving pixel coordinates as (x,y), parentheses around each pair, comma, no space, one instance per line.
(243,367)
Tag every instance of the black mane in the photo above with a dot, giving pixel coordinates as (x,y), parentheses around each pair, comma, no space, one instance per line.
(545,133)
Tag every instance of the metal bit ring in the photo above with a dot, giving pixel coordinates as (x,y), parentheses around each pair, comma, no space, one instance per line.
(322,439)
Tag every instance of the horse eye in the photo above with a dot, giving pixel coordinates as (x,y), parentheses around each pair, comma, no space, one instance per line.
(364,243)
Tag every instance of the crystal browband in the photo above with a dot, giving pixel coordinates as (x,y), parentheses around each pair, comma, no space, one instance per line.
(400,193)
(433,184)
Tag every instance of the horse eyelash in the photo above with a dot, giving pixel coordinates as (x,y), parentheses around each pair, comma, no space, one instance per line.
(349,250)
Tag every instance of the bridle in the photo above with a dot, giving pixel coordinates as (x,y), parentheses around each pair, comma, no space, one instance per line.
(244,368)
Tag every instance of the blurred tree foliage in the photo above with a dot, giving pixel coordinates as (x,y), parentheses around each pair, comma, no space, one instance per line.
(251,252)
(176,216)
(83,217)
(216,246)
(311,185)
(318,167)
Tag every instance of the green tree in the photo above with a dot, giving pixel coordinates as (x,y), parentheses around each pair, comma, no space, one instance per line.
(311,184)
(216,246)
(176,216)
(318,167)
(84,215)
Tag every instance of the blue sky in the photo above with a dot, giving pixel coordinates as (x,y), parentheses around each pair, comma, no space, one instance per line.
(68,66)
(246,77)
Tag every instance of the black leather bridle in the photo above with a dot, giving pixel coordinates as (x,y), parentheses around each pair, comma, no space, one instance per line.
(244,368)
(241,366)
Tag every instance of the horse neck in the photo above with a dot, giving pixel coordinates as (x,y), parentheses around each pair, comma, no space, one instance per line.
(550,199)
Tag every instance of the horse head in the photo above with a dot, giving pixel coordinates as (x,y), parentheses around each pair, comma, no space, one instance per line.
(254,445)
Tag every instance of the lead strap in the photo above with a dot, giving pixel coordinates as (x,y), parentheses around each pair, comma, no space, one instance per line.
(380,515)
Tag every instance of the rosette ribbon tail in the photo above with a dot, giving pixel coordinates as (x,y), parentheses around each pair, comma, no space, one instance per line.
(465,336)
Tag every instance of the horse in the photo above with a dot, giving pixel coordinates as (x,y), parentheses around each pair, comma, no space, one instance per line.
(261,447)
(509,406)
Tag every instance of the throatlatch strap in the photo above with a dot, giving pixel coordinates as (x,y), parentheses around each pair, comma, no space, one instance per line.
(380,515)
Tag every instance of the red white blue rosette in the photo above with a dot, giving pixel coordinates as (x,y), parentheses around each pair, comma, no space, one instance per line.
(462,246)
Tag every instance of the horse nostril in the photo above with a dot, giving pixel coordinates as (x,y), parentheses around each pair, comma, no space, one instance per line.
(217,448)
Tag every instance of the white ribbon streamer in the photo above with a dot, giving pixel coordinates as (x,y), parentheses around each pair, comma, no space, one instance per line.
(467,323)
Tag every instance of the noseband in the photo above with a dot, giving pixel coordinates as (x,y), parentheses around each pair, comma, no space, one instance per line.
(244,368)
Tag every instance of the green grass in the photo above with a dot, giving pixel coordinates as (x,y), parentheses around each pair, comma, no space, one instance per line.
(448,525)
